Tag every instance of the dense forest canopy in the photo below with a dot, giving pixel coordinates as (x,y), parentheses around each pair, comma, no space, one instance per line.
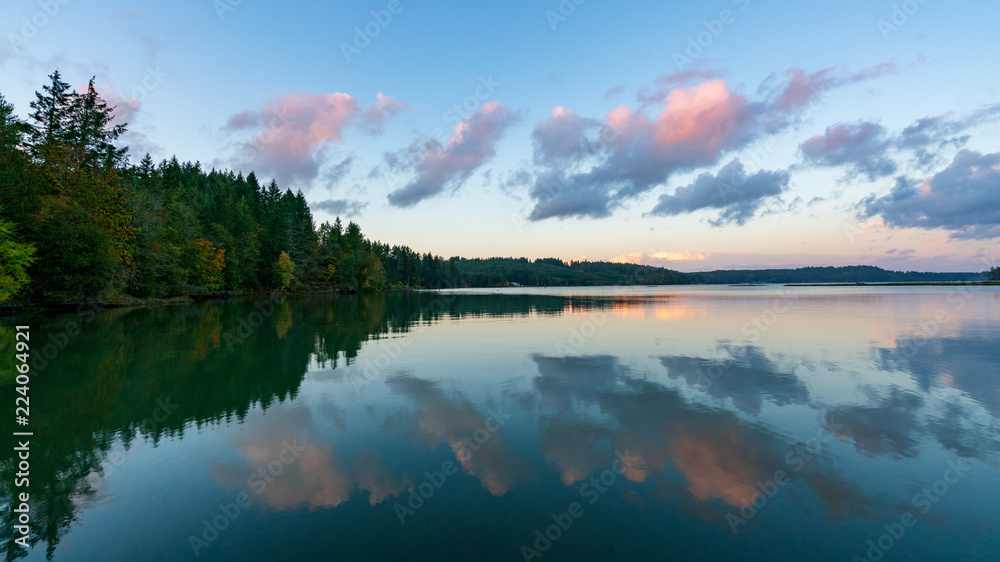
(79,222)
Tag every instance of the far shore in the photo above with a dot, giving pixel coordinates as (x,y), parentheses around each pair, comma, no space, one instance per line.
(918,284)
(17,309)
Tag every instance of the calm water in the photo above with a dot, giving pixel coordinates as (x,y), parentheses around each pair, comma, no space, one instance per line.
(757,423)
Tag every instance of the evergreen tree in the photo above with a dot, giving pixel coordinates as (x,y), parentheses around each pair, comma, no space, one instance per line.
(53,109)
(16,191)
(91,132)
(146,168)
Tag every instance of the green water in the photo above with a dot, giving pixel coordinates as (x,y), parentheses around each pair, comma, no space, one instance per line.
(755,423)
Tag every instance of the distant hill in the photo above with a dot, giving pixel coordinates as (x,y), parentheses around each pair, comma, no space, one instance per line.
(553,272)
(848,274)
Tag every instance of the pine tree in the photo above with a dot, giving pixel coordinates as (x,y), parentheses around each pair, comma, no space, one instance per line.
(146,167)
(91,132)
(51,118)
(16,191)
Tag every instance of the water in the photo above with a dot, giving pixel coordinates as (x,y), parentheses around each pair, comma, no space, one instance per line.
(750,423)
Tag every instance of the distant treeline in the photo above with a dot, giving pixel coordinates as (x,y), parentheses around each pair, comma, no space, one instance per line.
(848,274)
(553,272)
(79,222)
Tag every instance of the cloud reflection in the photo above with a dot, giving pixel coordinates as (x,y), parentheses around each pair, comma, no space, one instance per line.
(592,401)
(456,421)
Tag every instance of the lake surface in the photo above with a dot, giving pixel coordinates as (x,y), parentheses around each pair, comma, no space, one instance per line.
(691,423)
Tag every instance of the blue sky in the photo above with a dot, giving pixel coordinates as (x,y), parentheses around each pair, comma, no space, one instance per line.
(796,133)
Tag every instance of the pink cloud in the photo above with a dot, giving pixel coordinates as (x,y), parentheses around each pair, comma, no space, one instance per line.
(660,258)
(653,96)
(439,166)
(375,116)
(295,131)
(694,127)
(125,108)
(803,86)
(704,119)
(635,152)
(695,124)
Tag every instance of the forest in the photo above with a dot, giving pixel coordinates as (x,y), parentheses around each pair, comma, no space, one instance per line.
(79,222)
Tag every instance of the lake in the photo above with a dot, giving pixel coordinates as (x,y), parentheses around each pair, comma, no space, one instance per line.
(651,423)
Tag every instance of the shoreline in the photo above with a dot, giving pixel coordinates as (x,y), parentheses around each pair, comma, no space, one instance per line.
(901,284)
(19,309)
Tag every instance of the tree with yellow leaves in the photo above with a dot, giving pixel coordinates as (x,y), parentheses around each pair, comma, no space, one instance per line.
(285,269)
(210,262)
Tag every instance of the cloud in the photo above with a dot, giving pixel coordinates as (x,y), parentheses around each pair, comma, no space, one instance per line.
(660,258)
(340,170)
(127,111)
(589,170)
(125,108)
(802,86)
(511,180)
(293,133)
(556,195)
(648,96)
(865,148)
(926,137)
(562,136)
(441,166)
(738,195)
(612,92)
(374,117)
(346,207)
(861,147)
(962,198)
(685,77)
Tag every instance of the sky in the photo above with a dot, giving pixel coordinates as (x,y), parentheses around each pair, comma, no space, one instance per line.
(694,136)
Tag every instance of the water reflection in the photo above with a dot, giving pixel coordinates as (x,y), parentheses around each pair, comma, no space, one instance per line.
(742,374)
(474,437)
(708,418)
(718,456)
